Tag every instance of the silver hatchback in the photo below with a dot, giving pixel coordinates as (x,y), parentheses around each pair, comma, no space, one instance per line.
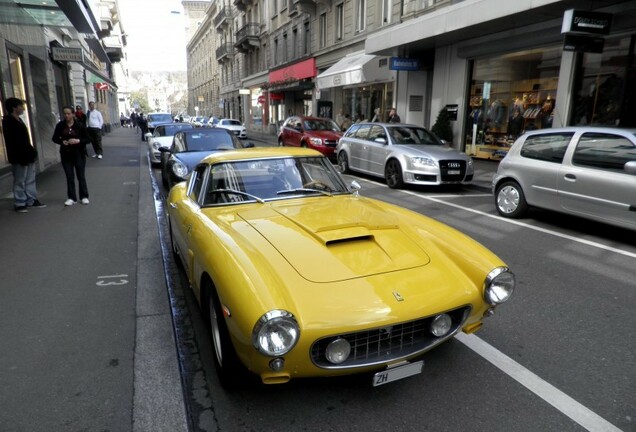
(585,171)
(402,153)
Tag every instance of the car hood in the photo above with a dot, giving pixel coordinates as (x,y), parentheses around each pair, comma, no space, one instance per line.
(324,134)
(439,152)
(356,240)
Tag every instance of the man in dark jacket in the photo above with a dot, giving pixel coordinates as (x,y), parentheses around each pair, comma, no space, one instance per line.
(22,156)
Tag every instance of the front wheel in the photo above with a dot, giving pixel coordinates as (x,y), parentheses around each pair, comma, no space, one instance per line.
(343,162)
(510,200)
(393,174)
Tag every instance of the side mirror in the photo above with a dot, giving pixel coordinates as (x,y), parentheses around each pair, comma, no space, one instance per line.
(630,167)
(148,135)
(164,149)
(380,140)
(355,187)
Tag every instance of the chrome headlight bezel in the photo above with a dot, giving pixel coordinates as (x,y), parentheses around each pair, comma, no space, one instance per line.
(499,286)
(271,323)
(180,169)
(422,162)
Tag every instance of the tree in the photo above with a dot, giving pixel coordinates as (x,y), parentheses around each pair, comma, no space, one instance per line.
(140,98)
(442,127)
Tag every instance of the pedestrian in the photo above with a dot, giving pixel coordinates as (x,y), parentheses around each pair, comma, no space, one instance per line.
(376,116)
(133,119)
(393,116)
(142,121)
(80,115)
(122,119)
(72,137)
(346,123)
(340,118)
(21,155)
(94,125)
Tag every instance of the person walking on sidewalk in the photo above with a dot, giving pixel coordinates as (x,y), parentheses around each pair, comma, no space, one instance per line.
(22,156)
(79,114)
(72,137)
(94,127)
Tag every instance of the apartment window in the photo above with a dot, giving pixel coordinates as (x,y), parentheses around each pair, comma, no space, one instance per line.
(295,43)
(323,31)
(285,46)
(307,48)
(275,58)
(386,12)
(339,21)
(361,15)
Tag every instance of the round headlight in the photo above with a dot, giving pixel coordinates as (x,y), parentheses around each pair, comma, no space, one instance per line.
(441,325)
(499,285)
(275,333)
(179,169)
(338,351)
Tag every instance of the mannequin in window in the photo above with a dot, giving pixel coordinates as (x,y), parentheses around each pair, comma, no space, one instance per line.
(545,115)
(515,123)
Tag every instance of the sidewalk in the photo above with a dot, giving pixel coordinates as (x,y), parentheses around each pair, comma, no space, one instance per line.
(85,321)
(484,169)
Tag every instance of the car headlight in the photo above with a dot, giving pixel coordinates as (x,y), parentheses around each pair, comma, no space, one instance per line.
(155,145)
(499,285)
(421,161)
(275,333)
(315,141)
(179,169)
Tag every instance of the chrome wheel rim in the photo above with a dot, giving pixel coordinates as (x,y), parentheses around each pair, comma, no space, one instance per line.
(508,199)
(216,333)
(392,173)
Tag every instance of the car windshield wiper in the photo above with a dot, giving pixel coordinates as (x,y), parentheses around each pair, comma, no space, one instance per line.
(237,192)
(301,191)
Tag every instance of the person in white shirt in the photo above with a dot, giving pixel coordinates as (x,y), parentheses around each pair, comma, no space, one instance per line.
(94,127)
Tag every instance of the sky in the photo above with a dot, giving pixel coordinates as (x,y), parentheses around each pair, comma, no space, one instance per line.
(155,32)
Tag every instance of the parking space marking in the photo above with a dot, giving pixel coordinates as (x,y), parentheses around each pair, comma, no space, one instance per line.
(516,222)
(552,395)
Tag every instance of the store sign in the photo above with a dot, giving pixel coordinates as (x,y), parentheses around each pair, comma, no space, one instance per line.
(277,96)
(579,43)
(406,64)
(586,22)
(67,54)
(101,86)
(261,99)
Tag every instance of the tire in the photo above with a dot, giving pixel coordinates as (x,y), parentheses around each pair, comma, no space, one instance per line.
(281,143)
(343,162)
(303,144)
(393,174)
(510,200)
(231,372)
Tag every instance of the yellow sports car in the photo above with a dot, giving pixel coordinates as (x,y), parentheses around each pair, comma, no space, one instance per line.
(299,276)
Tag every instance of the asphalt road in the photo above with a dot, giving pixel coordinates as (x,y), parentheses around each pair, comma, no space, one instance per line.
(558,357)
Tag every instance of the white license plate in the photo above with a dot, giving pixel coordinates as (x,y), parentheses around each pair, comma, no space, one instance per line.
(454,172)
(397,373)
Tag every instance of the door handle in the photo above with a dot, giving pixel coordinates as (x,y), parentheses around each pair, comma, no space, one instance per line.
(173,205)
(188,229)
(570,177)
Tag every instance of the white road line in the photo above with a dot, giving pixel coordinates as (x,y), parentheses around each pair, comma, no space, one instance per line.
(555,397)
(516,222)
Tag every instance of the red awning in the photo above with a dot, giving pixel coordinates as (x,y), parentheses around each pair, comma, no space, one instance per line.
(297,71)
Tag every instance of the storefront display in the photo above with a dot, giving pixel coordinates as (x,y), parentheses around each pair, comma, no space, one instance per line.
(510,94)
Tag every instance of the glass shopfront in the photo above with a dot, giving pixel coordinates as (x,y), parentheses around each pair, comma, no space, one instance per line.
(363,101)
(510,94)
(605,86)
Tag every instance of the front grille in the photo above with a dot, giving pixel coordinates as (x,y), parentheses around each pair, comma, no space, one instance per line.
(331,143)
(452,170)
(384,344)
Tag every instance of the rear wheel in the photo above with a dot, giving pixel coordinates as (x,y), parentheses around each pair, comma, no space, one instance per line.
(510,200)
(343,162)
(393,174)
(231,372)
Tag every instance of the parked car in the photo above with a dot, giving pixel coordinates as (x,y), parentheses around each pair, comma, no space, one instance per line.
(162,138)
(584,171)
(156,118)
(402,154)
(234,126)
(200,121)
(299,276)
(189,147)
(320,134)
(213,121)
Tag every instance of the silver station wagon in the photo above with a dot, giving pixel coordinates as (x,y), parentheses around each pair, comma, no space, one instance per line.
(402,153)
(584,171)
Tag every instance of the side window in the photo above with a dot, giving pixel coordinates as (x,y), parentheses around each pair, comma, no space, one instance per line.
(546,147)
(352,130)
(363,132)
(604,151)
(376,132)
(196,182)
(178,143)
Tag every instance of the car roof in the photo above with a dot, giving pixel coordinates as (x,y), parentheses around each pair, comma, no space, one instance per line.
(199,129)
(310,118)
(389,125)
(260,153)
(602,129)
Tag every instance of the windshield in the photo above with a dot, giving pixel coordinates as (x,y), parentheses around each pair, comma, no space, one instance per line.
(171,129)
(321,125)
(209,140)
(282,178)
(413,135)
(231,122)
(159,117)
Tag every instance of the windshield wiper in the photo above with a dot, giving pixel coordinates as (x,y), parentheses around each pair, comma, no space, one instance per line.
(237,192)
(302,190)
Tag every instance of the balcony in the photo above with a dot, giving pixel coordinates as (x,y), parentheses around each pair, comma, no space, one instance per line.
(113,48)
(247,37)
(225,52)
(242,4)
(223,18)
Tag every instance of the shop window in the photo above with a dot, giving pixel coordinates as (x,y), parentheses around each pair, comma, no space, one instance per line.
(605,88)
(510,94)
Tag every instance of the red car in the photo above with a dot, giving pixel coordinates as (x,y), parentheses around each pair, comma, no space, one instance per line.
(317,133)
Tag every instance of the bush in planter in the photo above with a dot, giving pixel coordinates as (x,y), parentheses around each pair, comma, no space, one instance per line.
(442,127)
